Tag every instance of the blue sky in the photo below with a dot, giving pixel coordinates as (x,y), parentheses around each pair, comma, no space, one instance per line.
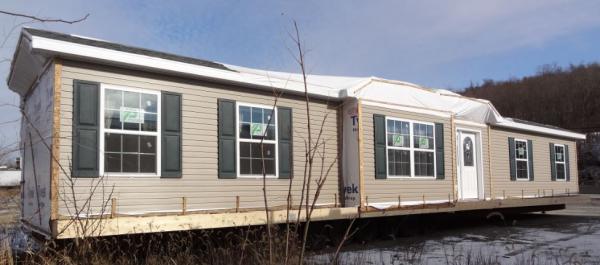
(443,44)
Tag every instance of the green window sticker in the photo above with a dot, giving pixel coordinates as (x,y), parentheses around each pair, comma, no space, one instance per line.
(131,115)
(258,129)
(423,142)
(398,140)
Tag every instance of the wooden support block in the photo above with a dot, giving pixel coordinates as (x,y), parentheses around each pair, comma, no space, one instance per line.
(399,201)
(552,192)
(237,204)
(423,200)
(113,207)
(522,194)
(183,205)
(366,201)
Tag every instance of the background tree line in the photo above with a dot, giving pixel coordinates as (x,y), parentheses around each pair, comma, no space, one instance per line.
(565,97)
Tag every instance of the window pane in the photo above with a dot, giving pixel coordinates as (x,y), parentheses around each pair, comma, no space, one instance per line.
(130,143)
(522,170)
(114,99)
(255,150)
(270,133)
(131,99)
(131,126)
(269,150)
(149,124)
(245,150)
(399,162)
(112,119)
(245,114)
(147,163)
(423,163)
(257,115)
(112,142)
(148,144)
(560,171)
(130,163)
(521,149)
(256,167)
(245,130)
(112,162)
(468,152)
(390,126)
(559,152)
(267,116)
(270,166)
(423,136)
(245,166)
(149,103)
(391,163)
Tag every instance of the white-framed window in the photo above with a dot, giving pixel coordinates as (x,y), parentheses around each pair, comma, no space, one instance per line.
(559,162)
(521,159)
(256,124)
(130,123)
(410,148)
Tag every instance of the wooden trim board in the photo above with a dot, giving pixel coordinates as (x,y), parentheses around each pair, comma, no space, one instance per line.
(176,222)
(54,166)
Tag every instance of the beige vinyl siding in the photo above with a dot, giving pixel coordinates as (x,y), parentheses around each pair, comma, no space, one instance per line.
(542,183)
(388,190)
(199,183)
(483,131)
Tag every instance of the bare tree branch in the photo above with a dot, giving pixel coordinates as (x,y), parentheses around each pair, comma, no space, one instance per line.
(45,20)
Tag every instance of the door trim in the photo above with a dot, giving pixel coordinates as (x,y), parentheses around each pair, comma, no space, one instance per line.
(480,176)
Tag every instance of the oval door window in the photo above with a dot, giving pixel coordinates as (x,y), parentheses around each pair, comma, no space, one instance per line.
(468,151)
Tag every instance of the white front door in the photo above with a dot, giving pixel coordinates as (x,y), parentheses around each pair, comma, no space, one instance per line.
(467,159)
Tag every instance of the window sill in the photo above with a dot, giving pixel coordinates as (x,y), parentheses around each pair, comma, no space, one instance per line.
(412,178)
(257,177)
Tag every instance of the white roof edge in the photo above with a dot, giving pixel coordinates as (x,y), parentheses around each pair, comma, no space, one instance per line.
(61,47)
(506,123)
(86,51)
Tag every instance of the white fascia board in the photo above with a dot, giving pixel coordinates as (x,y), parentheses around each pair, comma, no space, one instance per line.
(86,51)
(539,129)
(443,114)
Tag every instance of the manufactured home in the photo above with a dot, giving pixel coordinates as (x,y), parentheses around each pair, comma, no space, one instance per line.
(143,141)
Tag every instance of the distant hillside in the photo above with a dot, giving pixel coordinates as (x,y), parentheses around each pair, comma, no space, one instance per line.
(568,98)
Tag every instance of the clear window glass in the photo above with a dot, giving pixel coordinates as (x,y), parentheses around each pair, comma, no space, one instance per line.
(257,124)
(521,149)
(401,152)
(521,157)
(398,133)
(559,162)
(398,162)
(424,164)
(130,131)
(468,152)
(423,136)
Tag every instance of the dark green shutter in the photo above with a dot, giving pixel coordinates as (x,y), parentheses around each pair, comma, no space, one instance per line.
(284,134)
(439,150)
(380,156)
(552,163)
(86,120)
(567,164)
(171,135)
(511,158)
(530,158)
(227,139)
